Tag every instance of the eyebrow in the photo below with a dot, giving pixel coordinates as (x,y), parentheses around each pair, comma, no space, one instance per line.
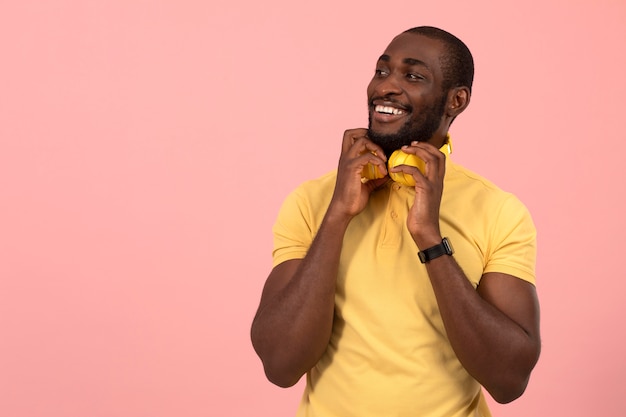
(407,61)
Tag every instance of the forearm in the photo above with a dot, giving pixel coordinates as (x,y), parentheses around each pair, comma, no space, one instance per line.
(493,348)
(291,329)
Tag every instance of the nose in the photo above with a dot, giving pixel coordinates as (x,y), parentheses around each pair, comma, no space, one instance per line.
(386,86)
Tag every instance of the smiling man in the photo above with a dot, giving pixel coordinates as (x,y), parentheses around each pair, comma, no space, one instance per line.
(396,299)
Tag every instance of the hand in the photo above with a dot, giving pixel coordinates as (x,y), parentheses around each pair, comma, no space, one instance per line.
(423,219)
(351,194)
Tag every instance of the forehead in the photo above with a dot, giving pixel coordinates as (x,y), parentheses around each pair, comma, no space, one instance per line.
(412,46)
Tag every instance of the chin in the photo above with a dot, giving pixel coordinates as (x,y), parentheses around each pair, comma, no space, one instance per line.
(389,141)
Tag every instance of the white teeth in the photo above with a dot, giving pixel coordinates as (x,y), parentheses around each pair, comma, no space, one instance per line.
(388,110)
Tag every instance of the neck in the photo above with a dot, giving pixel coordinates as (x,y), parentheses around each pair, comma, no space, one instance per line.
(439,139)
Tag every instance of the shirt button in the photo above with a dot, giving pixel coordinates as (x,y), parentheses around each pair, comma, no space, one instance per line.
(394,215)
(396,186)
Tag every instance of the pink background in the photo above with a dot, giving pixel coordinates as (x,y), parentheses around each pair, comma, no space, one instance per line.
(145,147)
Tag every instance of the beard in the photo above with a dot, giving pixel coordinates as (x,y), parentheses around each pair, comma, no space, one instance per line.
(421,129)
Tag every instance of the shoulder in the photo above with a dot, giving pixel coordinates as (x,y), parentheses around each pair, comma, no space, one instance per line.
(469,186)
(479,201)
(496,219)
(459,175)
(318,185)
(310,199)
(315,193)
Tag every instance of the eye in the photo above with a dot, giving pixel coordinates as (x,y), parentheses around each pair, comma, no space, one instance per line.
(381,72)
(413,76)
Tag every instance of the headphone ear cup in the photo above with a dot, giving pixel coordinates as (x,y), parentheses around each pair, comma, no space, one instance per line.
(371,172)
(402,158)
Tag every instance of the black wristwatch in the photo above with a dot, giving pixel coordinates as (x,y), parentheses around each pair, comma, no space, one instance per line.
(444,248)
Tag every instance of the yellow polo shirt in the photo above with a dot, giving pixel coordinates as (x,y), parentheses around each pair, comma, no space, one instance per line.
(389,354)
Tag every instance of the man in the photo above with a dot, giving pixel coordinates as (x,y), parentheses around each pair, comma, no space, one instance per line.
(378,328)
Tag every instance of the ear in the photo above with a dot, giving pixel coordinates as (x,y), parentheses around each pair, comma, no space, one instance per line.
(458,100)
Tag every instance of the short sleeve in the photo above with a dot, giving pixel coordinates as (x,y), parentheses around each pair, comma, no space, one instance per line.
(293,232)
(513,243)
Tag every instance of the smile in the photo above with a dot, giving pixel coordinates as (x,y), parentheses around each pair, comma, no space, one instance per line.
(388,110)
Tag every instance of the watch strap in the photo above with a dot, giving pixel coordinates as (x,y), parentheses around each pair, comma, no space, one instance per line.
(444,248)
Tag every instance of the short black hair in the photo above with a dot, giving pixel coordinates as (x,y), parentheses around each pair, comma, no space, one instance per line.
(457,64)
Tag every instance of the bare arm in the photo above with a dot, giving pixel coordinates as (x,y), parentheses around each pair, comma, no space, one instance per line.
(493,330)
(293,323)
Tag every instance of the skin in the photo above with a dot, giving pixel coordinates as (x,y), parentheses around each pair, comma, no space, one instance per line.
(494,329)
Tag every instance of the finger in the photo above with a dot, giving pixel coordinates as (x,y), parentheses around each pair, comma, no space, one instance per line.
(409,175)
(350,137)
(423,148)
(377,183)
(434,159)
(374,149)
(356,141)
(366,146)
(369,158)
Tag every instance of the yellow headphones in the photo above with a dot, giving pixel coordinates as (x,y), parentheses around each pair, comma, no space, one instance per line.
(399,157)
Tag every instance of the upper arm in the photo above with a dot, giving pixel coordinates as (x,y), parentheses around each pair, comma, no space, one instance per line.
(515,298)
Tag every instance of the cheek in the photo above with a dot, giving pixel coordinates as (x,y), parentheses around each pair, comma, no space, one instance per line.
(422,103)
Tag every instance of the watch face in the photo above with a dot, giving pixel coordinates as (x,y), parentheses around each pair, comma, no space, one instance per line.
(447,246)
(422,257)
